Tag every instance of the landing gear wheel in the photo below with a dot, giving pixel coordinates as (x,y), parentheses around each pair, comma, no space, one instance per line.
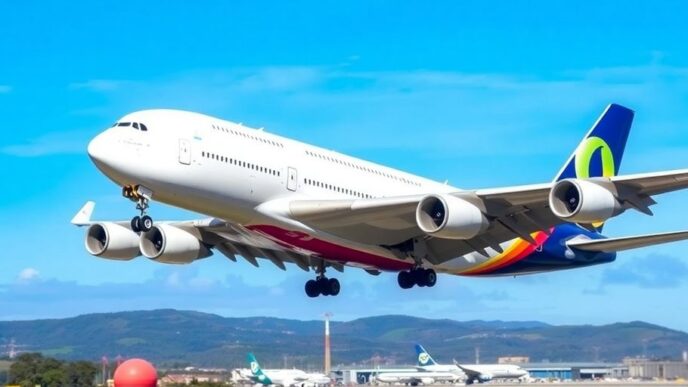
(429,277)
(333,286)
(323,286)
(405,279)
(136,224)
(312,289)
(418,276)
(146,223)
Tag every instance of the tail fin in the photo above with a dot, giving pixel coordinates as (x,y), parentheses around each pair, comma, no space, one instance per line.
(424,358)
(600,152)
(256,371)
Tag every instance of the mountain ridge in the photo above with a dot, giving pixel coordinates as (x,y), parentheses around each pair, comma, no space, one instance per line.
(181,337)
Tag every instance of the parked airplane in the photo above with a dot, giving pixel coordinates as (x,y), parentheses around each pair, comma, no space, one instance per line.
(284,377)
(416,378)
(473,372)
(289,202)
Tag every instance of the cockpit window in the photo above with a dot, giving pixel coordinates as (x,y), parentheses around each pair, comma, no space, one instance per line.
(136,125)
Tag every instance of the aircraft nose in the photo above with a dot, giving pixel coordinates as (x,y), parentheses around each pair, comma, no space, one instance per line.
(97,148)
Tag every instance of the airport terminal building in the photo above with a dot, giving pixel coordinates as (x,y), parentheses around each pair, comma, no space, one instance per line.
(643,369)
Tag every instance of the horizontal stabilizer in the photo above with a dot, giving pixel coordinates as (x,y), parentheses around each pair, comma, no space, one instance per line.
(626,243)
(83,217)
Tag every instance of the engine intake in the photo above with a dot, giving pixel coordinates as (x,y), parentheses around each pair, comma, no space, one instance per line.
(583,201)
(168,244)
(446,216)
(112,241)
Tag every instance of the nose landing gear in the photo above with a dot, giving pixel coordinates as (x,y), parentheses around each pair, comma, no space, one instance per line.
(141,196)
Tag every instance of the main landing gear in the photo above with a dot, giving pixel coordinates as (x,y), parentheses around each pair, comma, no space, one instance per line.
(141,196)
(322,285)
(417,276)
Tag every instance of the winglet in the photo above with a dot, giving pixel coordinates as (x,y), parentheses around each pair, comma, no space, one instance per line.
(83,217)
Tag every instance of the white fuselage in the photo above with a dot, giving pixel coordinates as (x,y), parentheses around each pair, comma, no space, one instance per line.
(247,177)
(416,377)
(495,371)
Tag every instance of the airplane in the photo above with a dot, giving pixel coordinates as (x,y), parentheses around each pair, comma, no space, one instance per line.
(285,201)
(415,378)
(284,377)
(474,372)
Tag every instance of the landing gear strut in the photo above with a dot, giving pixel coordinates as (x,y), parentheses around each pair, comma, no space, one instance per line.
(417,276)
(322,285)
(141,196)
(417,250)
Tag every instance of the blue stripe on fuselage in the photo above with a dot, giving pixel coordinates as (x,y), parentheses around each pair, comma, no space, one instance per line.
(555,255)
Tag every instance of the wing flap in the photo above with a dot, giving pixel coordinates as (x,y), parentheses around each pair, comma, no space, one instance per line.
(654,183)
(626,243)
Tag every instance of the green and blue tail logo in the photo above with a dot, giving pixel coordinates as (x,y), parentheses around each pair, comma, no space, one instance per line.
(600,152)
(258,375)
(424,358)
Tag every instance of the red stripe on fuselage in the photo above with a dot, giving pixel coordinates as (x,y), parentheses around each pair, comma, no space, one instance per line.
(329,250)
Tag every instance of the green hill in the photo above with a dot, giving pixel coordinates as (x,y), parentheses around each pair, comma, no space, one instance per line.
(184,337)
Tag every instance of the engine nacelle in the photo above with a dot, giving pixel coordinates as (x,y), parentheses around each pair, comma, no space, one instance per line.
(112,241)
(168,244)
(482,378)
(446,216)
(583,201)
(427,381)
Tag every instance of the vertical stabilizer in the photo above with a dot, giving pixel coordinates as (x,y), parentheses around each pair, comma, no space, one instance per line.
(424,358)
(256,371)
(600,152)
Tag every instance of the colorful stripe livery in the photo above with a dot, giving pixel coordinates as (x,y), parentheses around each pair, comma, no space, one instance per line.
(518,250)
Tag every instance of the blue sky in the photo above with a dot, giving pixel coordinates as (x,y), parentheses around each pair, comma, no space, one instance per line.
(482,94)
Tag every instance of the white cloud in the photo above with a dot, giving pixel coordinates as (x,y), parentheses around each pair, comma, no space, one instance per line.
(28,274)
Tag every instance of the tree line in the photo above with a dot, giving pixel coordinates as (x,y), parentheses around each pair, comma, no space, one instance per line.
(32,369)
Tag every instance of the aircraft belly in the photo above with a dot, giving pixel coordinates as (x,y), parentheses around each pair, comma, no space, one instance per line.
(371,257)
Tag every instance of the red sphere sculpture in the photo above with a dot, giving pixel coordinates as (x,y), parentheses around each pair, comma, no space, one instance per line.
(136,373)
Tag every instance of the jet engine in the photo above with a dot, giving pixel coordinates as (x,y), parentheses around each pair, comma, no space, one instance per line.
(112,241)
(446,216)
(482,378)
(583,201)
(168,244)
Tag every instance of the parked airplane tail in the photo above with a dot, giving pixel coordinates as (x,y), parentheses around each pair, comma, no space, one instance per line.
(424,358)
(599,153)
(256,371)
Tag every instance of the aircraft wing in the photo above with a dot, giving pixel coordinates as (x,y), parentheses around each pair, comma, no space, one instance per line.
(235,241)
(513,212)
(470,373)
(626,243)
(232,240)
